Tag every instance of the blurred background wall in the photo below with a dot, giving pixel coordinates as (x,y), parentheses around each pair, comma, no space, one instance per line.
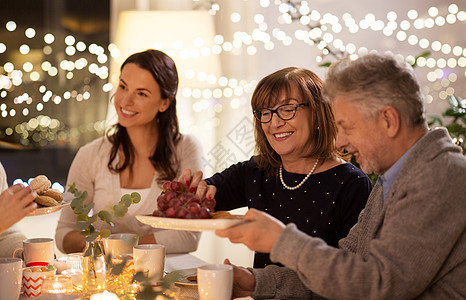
(60,59)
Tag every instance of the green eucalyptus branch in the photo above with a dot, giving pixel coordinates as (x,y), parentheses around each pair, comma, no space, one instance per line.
(456,113)
(423,54)
(149,293)
(85,225)
(85,222)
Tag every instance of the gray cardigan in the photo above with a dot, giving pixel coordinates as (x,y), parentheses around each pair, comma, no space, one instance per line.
(410,246)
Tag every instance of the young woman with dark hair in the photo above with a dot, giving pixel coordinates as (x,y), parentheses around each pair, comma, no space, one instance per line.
(138,154)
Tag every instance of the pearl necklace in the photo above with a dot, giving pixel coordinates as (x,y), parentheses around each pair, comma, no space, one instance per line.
(292,188)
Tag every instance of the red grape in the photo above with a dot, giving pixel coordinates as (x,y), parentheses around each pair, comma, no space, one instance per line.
(194,208)
(158,213)
(184,198)
(170,212)
(181,212)
(193,199)
(176,202)
(162,203)
(204,213)
(169,195)
(209,203)
(166,186)
(175,186)
(191,216)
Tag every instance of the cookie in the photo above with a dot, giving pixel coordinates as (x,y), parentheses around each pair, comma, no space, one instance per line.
(40,184)
(225,215)
(55,194)
(46,200)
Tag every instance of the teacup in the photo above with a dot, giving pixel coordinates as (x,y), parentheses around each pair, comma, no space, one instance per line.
(10,278)
(120,243)
(37,252)
(215,282)
(150,257)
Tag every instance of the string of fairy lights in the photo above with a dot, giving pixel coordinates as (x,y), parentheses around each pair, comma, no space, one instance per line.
(321,30)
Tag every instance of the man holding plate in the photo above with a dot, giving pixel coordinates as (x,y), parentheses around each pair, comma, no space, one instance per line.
(410,239)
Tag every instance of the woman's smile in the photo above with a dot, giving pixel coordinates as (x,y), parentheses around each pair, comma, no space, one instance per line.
(281,136)
(127,113)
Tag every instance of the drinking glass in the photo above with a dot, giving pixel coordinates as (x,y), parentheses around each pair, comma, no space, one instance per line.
(74,269)
(74,261)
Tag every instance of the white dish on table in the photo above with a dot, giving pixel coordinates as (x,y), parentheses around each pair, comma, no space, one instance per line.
(67,198)
(188,224)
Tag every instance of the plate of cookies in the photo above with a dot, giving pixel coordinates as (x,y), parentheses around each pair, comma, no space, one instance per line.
(48,200)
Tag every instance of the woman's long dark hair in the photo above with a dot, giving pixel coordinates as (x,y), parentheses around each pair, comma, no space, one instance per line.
(164,159)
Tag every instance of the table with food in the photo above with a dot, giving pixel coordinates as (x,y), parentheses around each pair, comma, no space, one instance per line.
(128,268)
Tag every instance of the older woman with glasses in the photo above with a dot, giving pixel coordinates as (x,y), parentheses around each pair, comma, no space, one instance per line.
(297,174)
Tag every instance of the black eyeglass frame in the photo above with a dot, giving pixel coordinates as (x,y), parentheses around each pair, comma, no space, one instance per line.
(258,112)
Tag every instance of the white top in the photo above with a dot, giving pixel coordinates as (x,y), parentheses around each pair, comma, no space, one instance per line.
(143,192)
(90,172)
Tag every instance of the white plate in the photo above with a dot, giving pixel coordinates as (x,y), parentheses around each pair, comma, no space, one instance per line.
(67,198)
(187,224)
(187,282)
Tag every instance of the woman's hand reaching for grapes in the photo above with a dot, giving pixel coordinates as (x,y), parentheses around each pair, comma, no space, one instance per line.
(195,183)
(190,198)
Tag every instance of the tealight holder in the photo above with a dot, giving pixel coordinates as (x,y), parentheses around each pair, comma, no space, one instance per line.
(57,284)
(74,262)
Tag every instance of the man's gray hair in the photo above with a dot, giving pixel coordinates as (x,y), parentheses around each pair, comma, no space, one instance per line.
(374,81)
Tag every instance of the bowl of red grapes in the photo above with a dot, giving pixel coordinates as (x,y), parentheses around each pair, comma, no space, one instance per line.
(177,202)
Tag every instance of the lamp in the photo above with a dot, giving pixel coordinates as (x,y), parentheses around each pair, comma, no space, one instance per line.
(186,36)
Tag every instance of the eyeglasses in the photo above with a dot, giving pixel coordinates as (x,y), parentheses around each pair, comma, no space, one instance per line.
(285,112)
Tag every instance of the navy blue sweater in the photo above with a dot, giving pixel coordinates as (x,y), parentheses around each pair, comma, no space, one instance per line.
(327,205)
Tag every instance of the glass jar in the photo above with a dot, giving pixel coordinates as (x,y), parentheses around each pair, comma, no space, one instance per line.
(94,269)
